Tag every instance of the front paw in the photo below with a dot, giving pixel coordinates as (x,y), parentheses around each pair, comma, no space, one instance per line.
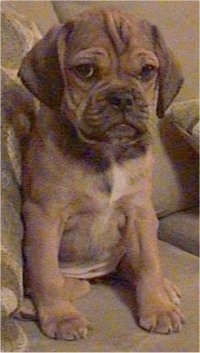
(163,318)
(67,325)
(158,311)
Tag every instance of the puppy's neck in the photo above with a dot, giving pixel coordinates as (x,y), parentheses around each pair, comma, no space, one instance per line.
(100,156)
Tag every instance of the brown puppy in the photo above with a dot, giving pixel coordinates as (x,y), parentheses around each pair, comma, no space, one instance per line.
(88,167)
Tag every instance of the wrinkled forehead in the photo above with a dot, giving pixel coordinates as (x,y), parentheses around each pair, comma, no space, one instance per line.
(110,29)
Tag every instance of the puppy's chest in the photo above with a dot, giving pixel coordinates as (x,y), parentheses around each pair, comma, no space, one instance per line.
(117,182)
(105,190)
(101,195)
(97,213)
(94,228)
(108,187)
(127,179)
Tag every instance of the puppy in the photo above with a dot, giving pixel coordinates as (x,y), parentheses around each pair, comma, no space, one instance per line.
(87,169)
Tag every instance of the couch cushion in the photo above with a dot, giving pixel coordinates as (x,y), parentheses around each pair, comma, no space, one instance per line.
(41,12)
(181,229)
(176,170)
(12,336)
(18,105)
(185,117)
(111,311)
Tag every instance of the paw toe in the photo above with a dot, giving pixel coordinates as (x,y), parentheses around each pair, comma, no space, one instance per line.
(163,322)
(172,291)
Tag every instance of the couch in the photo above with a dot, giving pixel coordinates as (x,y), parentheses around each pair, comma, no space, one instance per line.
(110,304)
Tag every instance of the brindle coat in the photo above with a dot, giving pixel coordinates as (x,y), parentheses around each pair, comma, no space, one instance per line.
(87,169)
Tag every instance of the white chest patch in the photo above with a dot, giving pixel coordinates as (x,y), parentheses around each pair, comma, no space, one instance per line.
(120,182)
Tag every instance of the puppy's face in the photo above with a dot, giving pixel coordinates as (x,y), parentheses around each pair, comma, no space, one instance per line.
(103,71)
(110,73)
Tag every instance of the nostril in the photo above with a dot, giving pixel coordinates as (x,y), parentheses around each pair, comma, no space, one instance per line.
(120,101)
(129,101)
(114,100)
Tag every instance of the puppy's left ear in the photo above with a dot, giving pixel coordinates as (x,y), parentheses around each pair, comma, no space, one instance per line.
(170,78)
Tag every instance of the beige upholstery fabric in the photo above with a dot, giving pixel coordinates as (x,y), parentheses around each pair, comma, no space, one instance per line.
(41,12)
(11,233)
(182,230)
(18,36)
(185,117)
(175,179)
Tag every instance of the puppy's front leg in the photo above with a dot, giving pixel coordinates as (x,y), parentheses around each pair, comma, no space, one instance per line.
(156,310)
(57,316)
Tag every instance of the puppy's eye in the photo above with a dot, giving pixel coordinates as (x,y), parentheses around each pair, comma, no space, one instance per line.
(148,71)
(85,71)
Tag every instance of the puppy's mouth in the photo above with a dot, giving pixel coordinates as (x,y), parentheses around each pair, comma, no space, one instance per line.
(118,135)
(122,134)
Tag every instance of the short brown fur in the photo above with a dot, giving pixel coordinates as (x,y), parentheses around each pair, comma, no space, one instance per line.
(87,169)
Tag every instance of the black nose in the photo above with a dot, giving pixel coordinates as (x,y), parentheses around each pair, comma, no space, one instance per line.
(122,101)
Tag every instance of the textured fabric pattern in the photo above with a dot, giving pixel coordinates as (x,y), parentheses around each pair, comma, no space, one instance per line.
(185,116)
(18,107)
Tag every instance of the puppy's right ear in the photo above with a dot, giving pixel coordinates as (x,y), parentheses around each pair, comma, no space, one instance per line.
(40,70)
